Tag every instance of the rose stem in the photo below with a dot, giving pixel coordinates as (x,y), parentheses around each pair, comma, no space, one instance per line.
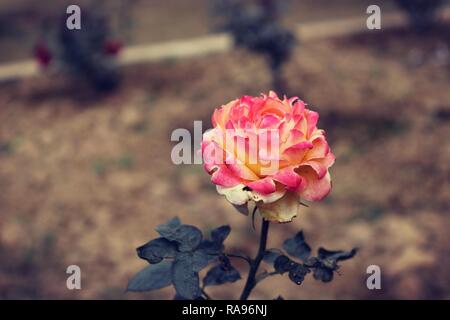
(251,280)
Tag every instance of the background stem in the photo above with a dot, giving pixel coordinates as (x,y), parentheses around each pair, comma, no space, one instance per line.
(251,280)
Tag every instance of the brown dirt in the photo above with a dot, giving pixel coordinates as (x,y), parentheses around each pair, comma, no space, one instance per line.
(85,179)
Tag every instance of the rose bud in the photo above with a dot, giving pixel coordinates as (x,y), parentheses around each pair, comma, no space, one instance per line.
(112,47)
(42,54)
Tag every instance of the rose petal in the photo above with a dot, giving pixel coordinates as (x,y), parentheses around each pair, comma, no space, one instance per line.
(298,106)
(288,177)
(321,166)
(224,177)
(236,195)
(273,94)
(294,138)
(264,186)
(319,150)
(242,171)
(318,167)
(312,118)
(283,210)
(269,121)
(220,117)
(316,189)
(269,198)
(296,153)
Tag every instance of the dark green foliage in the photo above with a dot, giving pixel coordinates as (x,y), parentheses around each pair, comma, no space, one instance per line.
(297,247)
(256,26)
(6,148)
(188,237)
(189,253)
(221,273)
(282,264)
(323,254)
(83,52)
(323,266)
(323,274)
(297,273)
(181,252)
(272,254)
(156,250)
(220,234)
(200,259)
(421,13)
(152,277)
(215,245)
(185,278)
(169,228)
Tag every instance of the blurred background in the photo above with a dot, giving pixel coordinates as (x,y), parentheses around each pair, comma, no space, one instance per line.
(86,118)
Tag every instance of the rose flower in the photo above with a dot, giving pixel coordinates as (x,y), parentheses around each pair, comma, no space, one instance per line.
(269,152)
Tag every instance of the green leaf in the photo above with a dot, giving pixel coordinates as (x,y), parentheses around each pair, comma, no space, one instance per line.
(312,262)
(185,278)
(272,254)
(323,274)
(156,250)
(283,264)
(168,229)
(178,297)
(220,234)
(297,273)
(210,247)
(188,237)
(327,262)
(152,277)
(200,259)
(220,274)
(338,255)
(297,246)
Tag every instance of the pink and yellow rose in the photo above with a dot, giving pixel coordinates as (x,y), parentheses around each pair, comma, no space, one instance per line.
(268,151)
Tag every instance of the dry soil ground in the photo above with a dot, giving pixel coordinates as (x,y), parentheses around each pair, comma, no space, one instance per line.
(85,179)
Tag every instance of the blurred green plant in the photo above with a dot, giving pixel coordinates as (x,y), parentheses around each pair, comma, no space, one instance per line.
(99,167)
(421,13)
(8,147)
(125,161)
(256,25)
(90,54)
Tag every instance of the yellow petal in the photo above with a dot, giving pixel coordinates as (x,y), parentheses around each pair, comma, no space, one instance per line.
(236,195)
(268,198)
(282,210)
